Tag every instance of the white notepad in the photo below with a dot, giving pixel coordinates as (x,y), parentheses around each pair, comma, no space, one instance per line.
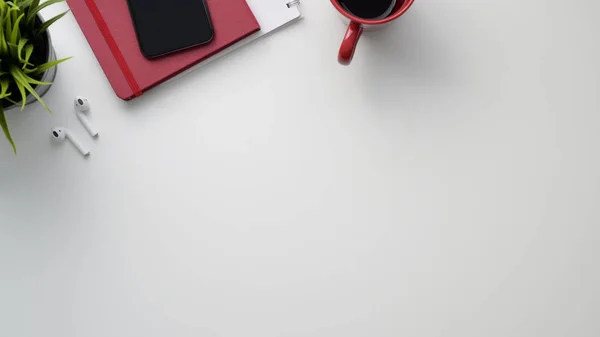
(270,14)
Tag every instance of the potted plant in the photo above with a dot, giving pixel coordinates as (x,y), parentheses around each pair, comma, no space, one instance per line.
(27,58)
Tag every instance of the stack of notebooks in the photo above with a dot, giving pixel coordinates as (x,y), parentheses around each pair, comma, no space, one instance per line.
(108,27)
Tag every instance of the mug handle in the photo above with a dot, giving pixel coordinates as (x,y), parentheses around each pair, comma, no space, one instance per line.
(349,44)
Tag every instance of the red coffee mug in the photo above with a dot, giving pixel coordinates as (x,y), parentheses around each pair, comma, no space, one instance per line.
(357,25)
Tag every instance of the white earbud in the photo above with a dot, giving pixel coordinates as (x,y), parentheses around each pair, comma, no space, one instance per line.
(62,134)
(82,105)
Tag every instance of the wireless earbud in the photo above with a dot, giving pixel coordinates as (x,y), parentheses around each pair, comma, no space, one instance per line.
(82,105)
(62,134)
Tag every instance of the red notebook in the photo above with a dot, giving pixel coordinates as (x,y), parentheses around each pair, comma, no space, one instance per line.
(108,27)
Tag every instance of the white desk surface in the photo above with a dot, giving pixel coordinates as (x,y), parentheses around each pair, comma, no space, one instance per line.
(446,184)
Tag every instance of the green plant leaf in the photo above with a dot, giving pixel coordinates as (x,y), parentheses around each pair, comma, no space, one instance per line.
(4,126)
(20,46)
(3,45)
(23,94)
(11,100)
(30,24)
(41,68)
(4,84)
(35,3)
(28,51)
(34,10)
(7,27)
(9,18)
(33,80)
(14,37)
(13,51)
(49,23)
(23,4)
(21,79)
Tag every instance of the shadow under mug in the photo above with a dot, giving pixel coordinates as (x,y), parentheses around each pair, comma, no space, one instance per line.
(357,25)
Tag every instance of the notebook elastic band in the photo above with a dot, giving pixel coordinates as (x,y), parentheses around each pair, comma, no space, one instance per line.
(114,48)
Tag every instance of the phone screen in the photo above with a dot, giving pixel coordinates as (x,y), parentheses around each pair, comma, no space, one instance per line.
(163,27)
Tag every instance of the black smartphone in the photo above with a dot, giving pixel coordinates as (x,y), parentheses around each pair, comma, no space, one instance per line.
(164,27)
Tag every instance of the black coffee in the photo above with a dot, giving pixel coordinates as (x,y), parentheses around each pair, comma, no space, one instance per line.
(369,9)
